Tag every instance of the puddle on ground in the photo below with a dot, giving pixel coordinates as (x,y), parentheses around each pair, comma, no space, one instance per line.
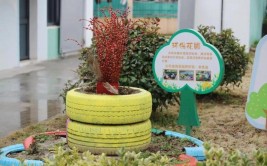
(33,97)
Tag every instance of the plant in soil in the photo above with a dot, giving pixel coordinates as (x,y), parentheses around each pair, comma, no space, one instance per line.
(137,62)
(92,117)
(72,157)
(53,150)
(166,145)
(136,71)
(111,36)
(46,146)
(217,156)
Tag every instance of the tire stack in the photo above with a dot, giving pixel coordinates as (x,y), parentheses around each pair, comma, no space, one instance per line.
(107,123)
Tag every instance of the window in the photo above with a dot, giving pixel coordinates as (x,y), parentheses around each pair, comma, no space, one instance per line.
(99,1)
(53,12)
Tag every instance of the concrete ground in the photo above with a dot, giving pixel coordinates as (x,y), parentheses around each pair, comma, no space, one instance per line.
(30,94)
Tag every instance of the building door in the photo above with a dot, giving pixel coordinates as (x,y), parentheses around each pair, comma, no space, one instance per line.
(24,29)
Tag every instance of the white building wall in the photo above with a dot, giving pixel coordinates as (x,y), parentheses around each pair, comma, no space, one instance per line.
(38,30)
(9,34)
(71,27)
(234,14)
(237,17)
(89,13)
(208,13)
(186,14)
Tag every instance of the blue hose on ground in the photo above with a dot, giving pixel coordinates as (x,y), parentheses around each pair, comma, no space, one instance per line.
(197,152)
(6,161)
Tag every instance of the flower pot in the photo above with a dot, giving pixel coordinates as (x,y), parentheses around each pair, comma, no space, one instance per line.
(106,123)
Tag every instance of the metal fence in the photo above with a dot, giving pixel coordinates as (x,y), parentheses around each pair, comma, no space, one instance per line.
(142,8)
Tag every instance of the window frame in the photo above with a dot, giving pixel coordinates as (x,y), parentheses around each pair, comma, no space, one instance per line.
(53,12)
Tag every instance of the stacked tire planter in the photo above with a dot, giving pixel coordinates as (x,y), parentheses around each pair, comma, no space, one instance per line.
(107,123)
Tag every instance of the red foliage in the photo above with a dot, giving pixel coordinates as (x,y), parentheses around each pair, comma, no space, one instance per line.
(111,37)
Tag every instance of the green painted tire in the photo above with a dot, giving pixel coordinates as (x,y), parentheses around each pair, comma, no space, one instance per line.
(109,109)
(109,138)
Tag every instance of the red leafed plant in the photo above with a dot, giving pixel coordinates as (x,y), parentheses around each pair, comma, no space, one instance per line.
(111,35)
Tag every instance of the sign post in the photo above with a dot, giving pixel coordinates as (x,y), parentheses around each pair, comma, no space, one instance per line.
(190,65)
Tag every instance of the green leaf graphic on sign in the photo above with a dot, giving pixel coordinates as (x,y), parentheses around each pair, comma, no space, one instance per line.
(257,104)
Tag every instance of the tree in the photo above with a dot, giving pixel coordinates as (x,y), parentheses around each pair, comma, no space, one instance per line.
(257,105)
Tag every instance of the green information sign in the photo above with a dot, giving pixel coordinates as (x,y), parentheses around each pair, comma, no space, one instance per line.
(188,64)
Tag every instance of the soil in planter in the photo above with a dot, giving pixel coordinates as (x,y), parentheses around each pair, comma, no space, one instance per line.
(123,90)
(169,146)
(44,147)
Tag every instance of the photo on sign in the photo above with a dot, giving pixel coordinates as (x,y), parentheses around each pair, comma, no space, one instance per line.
(169,74)
(203,75)
(186,75)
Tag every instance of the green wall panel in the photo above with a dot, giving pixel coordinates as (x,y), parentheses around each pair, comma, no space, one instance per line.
(141,8)
(104,4)
(53,43)
(155,9)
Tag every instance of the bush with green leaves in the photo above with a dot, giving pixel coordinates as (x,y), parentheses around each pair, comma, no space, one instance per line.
(217,157)
(214,157)
(137,63)
(70,157)
(235,58)
(84,71)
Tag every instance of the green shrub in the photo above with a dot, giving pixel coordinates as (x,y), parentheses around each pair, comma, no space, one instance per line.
(136,67)
(234,56)
(87,75)
(217,156)
(214,157)
(73,158)
(137,63)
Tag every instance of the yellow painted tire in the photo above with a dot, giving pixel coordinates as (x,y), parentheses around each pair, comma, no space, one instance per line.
(109,138)
(109,109)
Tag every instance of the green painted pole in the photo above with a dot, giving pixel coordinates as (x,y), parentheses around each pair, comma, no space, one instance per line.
(188,130)
(188,116)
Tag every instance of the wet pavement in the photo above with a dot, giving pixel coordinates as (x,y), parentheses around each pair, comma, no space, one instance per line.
(30,94)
